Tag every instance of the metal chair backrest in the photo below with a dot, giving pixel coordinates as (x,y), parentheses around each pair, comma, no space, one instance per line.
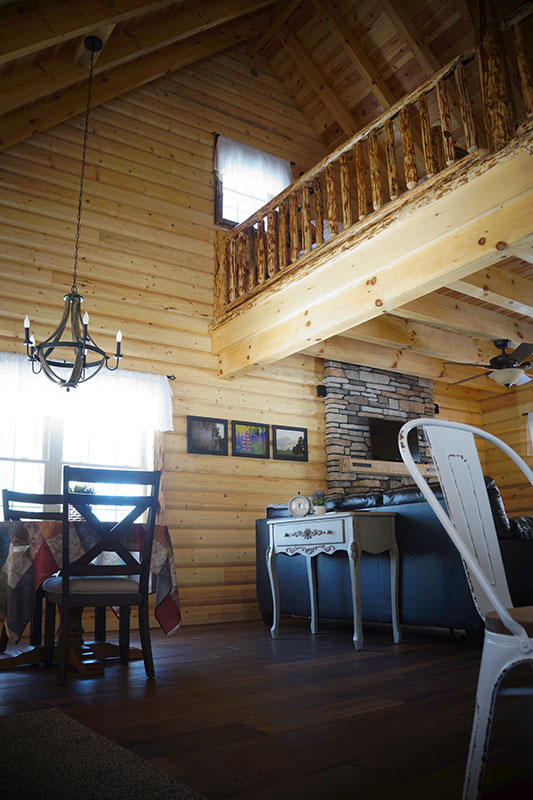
(470,523)
(111,537)
(11,499)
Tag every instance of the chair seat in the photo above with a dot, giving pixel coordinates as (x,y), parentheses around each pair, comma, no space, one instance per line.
(93,585)
(523,615)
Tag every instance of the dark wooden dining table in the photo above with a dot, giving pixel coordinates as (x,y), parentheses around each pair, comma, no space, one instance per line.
(30,552)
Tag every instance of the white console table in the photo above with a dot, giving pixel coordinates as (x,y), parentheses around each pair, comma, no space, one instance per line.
(349,531)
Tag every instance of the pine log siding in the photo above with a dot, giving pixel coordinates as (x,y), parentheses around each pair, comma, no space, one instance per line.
(146,266)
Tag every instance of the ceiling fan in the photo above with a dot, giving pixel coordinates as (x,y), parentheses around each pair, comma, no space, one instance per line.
(507,369)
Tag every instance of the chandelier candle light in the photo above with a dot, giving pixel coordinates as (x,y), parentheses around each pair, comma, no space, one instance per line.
(79,368)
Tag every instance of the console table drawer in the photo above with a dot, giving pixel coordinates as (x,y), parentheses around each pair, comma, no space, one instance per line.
(307,531)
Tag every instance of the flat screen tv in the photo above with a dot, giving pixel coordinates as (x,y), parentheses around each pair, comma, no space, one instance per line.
(384,440)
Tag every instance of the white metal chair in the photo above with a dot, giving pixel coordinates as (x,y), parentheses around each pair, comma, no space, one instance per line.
(508,630)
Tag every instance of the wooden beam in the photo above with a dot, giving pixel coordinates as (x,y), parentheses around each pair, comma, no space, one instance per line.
(499,287)
(395,332)
(393,359)
(463,317)
(284,12)
(524,251)
(380,265)
(45,114)
(83,55)
(30,82)
(27,33)
(318,82)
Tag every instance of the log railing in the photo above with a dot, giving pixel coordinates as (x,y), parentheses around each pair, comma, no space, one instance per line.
(410,142)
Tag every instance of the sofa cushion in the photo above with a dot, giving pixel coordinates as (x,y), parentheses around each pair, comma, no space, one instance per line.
(499,514)
(353,502)
(520,528)
(409,494)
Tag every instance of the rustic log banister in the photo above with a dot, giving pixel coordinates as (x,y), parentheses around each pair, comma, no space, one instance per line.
(391,112)
(361,177)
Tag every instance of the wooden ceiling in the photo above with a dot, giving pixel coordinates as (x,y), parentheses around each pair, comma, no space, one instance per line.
(342,62)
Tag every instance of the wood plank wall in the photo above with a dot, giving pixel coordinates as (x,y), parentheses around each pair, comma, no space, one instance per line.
(146,266)
(502,415)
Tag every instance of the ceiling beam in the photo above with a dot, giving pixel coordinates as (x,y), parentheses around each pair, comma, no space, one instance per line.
(404,333)
(318,82)
(83,55)
(499,287)
(43,115)
(28,83)
(462,317)
(394,359)
(284,11)
(26,33)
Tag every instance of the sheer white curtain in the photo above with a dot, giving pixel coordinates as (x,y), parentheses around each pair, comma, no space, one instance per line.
(122,398)
(248,173)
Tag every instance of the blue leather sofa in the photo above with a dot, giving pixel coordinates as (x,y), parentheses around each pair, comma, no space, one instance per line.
(433,586)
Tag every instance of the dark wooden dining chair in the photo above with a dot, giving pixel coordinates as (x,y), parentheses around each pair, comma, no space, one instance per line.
(15,506)
(82,582)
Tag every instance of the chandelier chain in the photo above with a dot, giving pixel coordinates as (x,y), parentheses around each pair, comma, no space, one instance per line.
(82,176)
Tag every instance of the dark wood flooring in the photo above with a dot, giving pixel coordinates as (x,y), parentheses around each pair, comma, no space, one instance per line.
(234,714)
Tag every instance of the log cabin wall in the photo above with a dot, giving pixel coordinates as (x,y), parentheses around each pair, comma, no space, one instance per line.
(146,266)
(503,416)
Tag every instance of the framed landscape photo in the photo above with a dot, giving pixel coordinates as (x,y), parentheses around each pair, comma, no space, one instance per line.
(250,439)
(207,436)
(289,444)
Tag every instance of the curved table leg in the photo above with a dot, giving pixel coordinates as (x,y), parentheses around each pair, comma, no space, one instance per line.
(354,562)
(273,575)
(311,577)
(394,592)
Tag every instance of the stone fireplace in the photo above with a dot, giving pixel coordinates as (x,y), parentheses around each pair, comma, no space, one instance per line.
(354,394)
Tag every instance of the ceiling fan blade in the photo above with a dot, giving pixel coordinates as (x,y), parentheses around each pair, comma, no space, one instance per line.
(471,378)
(522,352)
(523,379)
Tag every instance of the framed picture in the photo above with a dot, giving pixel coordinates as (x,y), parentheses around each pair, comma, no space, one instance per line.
(207,436)
(250,439)
(289,444)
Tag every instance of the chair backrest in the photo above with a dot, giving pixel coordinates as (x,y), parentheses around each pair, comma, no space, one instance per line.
(11,500)
(111,537)
(470,524)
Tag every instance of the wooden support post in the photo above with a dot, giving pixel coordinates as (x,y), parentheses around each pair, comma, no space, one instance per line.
(241,264)
(282,237)
(362,202)
(306,219)
(293,226)
(345,191)
(261,252)
(250,259)
(319,209)
(495,86)
(232,247)
(272,243)
(409,159)
(465,107)
(392,167)
(524,68)
(446,123)
(375,179)
(332,200)
(436,136)
(221,275)
(427,142)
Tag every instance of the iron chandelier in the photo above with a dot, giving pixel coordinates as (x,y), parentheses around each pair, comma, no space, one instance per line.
(86,359)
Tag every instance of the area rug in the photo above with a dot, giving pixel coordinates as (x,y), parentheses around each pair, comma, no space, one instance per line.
(46,755)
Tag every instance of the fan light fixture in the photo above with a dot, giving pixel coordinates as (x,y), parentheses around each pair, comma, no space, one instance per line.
(81,366)
(507,377)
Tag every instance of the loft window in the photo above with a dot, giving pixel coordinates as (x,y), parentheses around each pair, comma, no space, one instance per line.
(245,179)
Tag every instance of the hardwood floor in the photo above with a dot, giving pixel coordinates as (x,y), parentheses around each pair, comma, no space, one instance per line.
(237,715)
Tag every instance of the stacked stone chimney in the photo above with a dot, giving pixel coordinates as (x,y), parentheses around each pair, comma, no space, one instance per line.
(354,394)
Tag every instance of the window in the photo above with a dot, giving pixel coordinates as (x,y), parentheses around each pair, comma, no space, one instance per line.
(246,179)
(108,422)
